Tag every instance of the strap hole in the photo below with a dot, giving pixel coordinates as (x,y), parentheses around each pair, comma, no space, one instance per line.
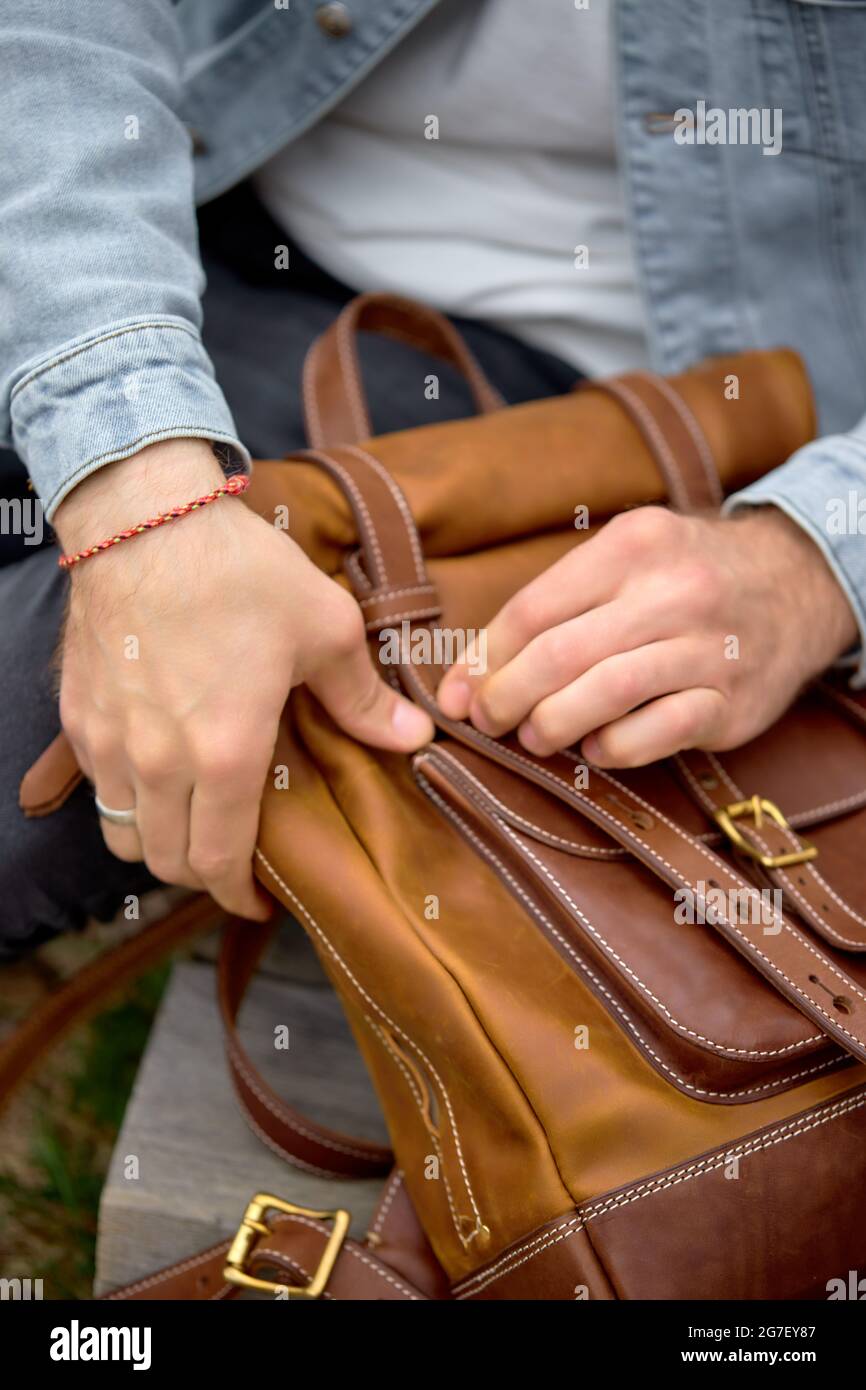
(708,781)
(843,1005)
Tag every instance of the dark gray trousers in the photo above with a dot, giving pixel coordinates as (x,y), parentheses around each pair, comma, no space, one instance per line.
(55,872)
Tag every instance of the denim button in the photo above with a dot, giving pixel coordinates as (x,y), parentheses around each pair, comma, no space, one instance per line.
(334,20)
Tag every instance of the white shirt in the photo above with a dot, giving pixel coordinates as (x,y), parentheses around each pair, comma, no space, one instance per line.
(514,214)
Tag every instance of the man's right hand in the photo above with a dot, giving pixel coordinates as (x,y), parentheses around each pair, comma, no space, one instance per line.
(179,652)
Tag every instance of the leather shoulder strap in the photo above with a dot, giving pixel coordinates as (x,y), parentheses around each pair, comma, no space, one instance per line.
(296,1137)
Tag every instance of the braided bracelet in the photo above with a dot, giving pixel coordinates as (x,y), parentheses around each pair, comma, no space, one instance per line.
(232,488)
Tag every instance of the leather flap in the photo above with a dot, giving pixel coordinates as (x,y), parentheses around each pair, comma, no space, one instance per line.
(714,1026)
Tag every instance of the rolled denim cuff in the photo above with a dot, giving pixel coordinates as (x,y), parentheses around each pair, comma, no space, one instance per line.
(822,487)
(104,396)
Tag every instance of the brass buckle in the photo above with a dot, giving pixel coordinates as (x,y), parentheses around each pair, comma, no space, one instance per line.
(253,1225)
(759,806)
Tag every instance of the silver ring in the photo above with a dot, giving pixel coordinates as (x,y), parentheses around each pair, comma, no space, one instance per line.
(115,817)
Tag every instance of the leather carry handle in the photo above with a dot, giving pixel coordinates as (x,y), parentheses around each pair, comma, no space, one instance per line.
(335,406)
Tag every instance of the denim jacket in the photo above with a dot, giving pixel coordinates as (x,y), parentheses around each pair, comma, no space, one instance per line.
(118,115)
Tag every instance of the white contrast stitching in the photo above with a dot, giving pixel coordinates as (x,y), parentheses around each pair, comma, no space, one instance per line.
(347,356)
(809,909)
(286,1154)
(381,1012)
(164,1275)
(402,505)
(680,1027)
(419,1101)
(662,1183)
(370,530)
(510,1255)
(353,1250)
(273,1105)
(544,773)
(670,467)
(396,617)
(398,593)
(581,964)
(510,814)
(385,1204)
(707,461)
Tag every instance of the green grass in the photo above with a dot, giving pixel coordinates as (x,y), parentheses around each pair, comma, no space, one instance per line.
(49,1218)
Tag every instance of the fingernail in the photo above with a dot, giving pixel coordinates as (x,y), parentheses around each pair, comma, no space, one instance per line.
(591,748)
(411,725)
(529,738)
(454,698)
(482,723)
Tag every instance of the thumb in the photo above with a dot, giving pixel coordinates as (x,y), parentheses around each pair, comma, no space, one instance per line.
(362,704)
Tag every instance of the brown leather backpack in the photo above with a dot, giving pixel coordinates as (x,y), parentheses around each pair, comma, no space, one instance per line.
(588,1095)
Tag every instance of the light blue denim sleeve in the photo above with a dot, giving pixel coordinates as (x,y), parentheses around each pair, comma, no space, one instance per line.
(100,309)
(823,488)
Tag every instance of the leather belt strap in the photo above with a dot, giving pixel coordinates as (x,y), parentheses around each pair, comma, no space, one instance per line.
(805,889)
(335,407)
(292,1248)
(673,436)
(780,952)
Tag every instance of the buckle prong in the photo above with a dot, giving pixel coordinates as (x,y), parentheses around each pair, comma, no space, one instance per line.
(758,807)
(253,1225)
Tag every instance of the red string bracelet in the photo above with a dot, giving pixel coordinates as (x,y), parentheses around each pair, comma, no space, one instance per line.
(232,488)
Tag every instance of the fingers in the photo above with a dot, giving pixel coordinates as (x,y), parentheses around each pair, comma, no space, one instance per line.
(587,577)
(357,698)
(113,784)
(609,690)
(197,811)
(552,661)
(224,818)
(687,719)
(222,842)
(162,815)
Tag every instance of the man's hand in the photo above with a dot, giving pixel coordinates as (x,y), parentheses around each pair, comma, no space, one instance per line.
(662,632)
(180,649)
